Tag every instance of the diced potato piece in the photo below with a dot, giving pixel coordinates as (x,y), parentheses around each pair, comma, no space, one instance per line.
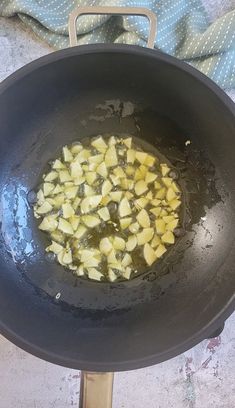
(68,157)
(161,193)
(49,223)
(112,141)
(150,177)
(71,192)
(53,175)
(124,208)
(90,167)
(51,201)
(168,218)
(55,247)
(105,246)
(156,202)
(83,155)
(141,156)
(170,195)
(111,257)
(149,254)
(111,157)
(80,231)
(94,274)
(174,204)
(58,165)
(160,226)
(106,187)
(44,208)
(64,176)
(88,191)
(102,170)
(40,197)
(143,170)
(78,181)
(91,221)
(149,195)
(155,241)
(74,221)
(127,260)
(164,169)
(131,156)
(134,228)
(76,169)
(59,200)
(131,243)
(105,200)
(167,181)
(76,203)
(85,167)
(115,180)
(145,236)
(104,213)
(58,189)
(161,249)
(57,236)
(129,195)
(127,273)
(90,202)
(130,170)
(143,219)
(157,185)
(119,243)
(140,187)
(172,225)
(138,175)
(48,188)
(127,184)
(65,226)
(175,187)
(68,210)
(163,213)
(86,254)
(149,161)
(141,202)
(99,144)
(118,171)
(168,238)
(80,270)
(67,257)
(91,262)
(97,159)
(112,276)
(127,142)
(91,177)
(156,211)
(125,222)
(76,148)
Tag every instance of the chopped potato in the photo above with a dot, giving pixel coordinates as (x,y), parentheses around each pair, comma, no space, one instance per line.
(105,205)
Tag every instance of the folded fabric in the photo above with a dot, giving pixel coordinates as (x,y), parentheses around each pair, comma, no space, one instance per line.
(184,30)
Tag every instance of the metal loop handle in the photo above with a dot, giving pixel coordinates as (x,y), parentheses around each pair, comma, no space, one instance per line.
(125,11)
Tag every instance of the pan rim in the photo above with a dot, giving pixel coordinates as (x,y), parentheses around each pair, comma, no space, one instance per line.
(228,308)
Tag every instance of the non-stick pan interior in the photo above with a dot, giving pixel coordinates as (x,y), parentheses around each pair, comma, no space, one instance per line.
(87,91)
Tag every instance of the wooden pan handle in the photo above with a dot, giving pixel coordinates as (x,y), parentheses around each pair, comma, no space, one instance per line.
(96,390)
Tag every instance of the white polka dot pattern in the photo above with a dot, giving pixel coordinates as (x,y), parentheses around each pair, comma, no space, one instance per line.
(184,30)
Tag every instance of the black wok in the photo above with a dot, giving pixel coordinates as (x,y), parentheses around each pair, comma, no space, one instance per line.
(121,89)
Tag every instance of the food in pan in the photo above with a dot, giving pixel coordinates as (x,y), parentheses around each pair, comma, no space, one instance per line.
(108,206)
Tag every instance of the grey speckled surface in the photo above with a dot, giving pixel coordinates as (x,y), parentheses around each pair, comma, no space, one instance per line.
(203,377)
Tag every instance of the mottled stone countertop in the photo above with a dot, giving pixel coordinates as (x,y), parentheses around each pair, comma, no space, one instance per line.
(203,377)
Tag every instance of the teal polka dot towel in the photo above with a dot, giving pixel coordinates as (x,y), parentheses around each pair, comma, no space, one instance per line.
(184,30)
